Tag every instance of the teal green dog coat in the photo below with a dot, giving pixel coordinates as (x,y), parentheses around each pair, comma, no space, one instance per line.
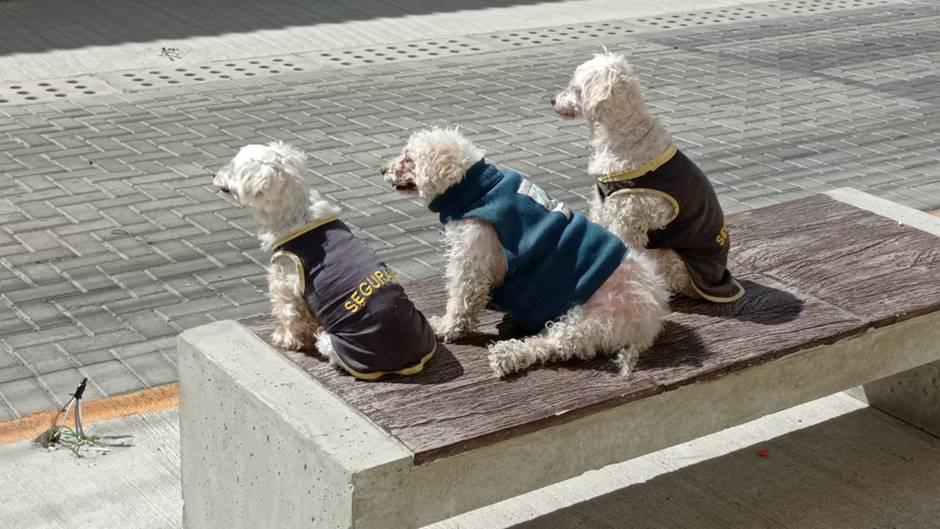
(556,259)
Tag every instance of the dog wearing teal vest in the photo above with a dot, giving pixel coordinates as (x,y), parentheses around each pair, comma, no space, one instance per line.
(575,287)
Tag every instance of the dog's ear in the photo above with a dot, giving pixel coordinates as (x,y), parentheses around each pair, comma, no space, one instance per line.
(291,159)
(599,86)
(267,170)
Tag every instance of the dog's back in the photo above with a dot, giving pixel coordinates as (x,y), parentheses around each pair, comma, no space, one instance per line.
(556,259)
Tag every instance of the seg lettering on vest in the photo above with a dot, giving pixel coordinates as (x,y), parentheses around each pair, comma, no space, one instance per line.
(376,280)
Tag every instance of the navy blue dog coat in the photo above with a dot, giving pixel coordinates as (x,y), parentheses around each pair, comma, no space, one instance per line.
(373,326)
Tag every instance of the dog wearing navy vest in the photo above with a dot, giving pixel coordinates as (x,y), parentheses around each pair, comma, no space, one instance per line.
(328,289)
(576,288)
(646,191)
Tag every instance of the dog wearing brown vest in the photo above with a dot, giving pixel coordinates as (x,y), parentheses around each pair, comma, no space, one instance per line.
(646,191)
(328,289)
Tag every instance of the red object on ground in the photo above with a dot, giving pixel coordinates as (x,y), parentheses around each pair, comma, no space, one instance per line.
(763,452)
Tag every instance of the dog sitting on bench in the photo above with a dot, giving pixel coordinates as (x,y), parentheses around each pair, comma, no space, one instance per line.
(327,288)
(646,191)
(509,243)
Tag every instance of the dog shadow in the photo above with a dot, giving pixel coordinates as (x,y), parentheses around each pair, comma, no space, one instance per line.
(442,367)
(678,346)
(760,304)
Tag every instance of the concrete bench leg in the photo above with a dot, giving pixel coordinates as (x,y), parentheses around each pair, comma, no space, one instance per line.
(912,396)
(263,445)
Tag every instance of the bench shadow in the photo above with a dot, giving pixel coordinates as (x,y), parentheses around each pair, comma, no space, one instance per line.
(816,471)
(442,367)
(761,304)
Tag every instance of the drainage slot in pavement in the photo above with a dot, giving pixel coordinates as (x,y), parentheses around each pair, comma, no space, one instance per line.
(25,92)
(701,18)
(806,7)
(216,71)
(535,37)
(407,51)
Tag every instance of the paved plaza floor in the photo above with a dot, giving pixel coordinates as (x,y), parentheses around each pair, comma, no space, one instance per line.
(112,241)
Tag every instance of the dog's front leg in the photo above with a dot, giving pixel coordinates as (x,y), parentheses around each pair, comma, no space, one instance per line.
(475,264)
(631,216)
(596,207)
(296,325)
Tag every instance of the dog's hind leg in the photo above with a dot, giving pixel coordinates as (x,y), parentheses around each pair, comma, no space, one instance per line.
(325,347)
(296,325)
(674,271)
(572,336)
(624,317)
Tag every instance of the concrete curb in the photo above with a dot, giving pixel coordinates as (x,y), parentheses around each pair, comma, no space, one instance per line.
(146,401)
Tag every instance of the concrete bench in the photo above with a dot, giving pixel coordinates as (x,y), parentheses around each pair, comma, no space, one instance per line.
(842,291)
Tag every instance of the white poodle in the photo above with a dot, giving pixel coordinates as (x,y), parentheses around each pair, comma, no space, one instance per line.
(327,288)
(647,192)
(511,245)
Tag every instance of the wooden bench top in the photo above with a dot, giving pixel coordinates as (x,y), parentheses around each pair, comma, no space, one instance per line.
(816,271)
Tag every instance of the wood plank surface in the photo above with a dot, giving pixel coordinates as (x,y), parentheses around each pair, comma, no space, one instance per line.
(811,279)
(869,265)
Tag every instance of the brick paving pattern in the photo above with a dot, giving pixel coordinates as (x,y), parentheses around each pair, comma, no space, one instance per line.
(112,240)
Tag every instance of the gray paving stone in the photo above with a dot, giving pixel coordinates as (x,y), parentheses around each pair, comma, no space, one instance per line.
(198,306)
(154,369)
(62,383)
(82,344)
(42,336)
(149,324)
(134,304)
(12,326)
(112,378)
(15,372)
(167,344)
(42,313)
(26,396)
(45,358)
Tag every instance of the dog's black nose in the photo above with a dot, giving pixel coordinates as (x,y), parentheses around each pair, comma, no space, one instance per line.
(552,101)
(225,190)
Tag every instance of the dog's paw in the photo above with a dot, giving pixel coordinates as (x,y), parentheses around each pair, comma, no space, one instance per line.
(285,339)
(626,360)
(447,329)
(505,358)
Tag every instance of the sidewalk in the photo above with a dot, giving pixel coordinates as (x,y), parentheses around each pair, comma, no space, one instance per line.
(112,241)
(831,464)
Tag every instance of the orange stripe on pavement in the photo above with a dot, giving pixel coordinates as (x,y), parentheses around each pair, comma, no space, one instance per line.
(146,401)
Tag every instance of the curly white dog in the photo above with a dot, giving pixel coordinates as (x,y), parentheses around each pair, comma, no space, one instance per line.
(327,288)
(510,244)
(647,192)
